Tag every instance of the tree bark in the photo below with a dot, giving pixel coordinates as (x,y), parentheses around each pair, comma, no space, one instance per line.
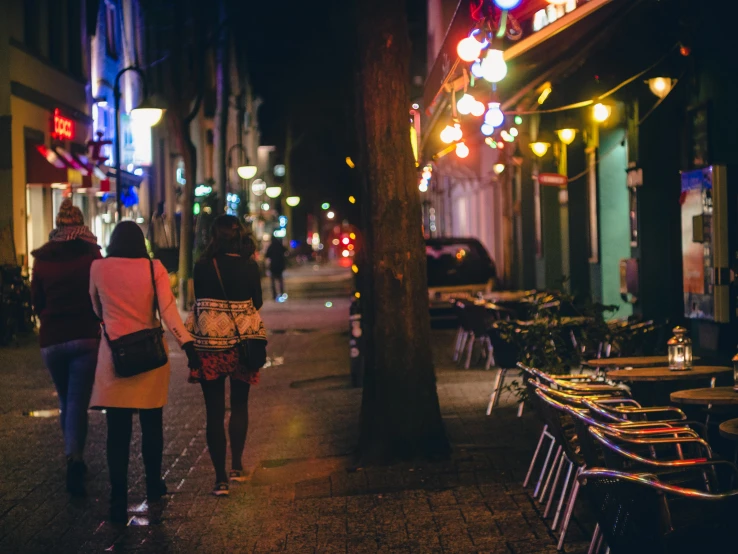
(400,417)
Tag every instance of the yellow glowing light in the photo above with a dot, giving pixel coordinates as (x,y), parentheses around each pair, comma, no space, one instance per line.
(350,247)
(292,201)
(352,236)
(350,162)
(498,168)
(246,171)
(336,242)
(413,143)
(460,254)
(661,86)
(567,136)
(352,200)
(355,268)
(273,192)
(539,148)
(600,112)
(357,294)
(544,94)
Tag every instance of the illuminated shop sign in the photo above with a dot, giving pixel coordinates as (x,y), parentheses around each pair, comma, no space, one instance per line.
(62,128)
(553,12)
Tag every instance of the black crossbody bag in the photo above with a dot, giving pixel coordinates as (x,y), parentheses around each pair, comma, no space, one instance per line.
(142,351)
(251,352)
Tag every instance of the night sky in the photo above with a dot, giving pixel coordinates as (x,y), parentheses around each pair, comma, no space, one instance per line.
(302,63)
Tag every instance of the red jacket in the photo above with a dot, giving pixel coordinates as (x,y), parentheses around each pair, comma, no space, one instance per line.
(61,291)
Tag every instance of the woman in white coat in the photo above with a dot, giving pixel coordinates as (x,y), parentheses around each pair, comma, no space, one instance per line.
(122,295)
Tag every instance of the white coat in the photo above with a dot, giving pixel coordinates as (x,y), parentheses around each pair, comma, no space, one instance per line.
(123,297)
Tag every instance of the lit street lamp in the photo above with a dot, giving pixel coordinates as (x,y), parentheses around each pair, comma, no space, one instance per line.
(146,113)
(292,201)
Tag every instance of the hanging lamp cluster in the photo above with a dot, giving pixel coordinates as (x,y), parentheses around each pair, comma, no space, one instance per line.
(486,63)
(425,178)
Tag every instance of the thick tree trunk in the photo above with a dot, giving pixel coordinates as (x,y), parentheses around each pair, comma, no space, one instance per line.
(222,86)
(400,416)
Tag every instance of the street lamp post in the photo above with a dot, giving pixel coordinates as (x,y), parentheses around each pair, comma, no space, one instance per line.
(152,114)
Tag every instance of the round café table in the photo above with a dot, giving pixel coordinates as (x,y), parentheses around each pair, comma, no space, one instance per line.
(635,361)
(729,430)
(715,396)
(653,386)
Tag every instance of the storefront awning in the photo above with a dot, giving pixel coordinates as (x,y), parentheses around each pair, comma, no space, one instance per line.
(127,179)
(44,166)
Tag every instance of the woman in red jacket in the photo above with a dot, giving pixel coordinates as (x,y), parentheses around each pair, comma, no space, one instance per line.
(70,330)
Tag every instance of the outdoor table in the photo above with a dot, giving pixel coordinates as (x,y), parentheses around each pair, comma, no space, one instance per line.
(653,386)
(729,430)
(713,396)
(509,296)
(636,361)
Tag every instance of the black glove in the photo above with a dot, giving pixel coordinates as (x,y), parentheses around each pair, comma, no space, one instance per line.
(193,359)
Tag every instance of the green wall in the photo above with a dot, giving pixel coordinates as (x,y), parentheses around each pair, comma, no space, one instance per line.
(613,215)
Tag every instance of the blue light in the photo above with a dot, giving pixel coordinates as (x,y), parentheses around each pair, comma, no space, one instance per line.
(294,244)
(283,221)
(507,4)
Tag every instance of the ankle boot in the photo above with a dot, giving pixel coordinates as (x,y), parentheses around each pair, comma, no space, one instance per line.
(75,478)
(155,490)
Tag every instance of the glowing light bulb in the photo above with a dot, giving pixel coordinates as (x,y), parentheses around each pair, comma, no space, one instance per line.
(465,104)
(498,168)
(661,86)
(447,135)
(539,148)
(509,4)
(494,67)
(478,109)
(518,120)
(476,69)
(462,150)
(513,132)
(487,129)
(567,136)
(426,175)
(494,115)
(423,187)
(469,49)
(601,112)
(456,132)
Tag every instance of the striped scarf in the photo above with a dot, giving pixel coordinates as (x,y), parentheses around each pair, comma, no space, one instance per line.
(72,232)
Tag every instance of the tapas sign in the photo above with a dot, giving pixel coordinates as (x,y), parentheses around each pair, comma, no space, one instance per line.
(552,180)
(62,128)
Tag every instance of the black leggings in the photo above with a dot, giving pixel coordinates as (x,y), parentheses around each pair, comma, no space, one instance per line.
(214,393)
(120,424)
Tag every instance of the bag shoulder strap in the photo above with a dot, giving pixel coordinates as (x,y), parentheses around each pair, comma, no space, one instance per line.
(225,296)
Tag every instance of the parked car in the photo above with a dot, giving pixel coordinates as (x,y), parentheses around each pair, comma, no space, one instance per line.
(457,267)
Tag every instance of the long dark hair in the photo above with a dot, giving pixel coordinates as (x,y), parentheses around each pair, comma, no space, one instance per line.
(127,241)
(229,236)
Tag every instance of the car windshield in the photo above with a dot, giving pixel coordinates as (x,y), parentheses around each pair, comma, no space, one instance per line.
(457,262)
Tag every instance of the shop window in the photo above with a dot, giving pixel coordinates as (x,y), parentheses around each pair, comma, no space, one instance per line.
(111,30)
(31,19)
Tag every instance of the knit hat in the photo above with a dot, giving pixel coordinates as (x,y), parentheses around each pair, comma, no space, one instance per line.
(69,215)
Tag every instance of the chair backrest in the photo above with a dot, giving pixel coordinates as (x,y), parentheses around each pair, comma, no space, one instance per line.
(634,514)
(473,317)
(560,425)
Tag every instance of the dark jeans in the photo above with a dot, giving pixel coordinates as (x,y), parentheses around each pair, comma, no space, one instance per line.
(214,393)
(277,279)
(72,367)
(120,425)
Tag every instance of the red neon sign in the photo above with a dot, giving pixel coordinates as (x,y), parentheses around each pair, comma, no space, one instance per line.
(63,128)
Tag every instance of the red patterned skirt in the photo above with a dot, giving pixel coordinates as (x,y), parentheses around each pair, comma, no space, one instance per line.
(222,363)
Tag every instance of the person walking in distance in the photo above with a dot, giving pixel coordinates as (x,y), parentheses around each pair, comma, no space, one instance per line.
(70,330)
(227,299)
(127,288)
(276,254)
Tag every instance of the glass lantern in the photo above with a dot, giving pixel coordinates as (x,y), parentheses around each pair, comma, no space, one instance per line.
(680,350)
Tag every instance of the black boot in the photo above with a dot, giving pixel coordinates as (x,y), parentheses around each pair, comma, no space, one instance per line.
(118,505)
(76,478)
(155,490)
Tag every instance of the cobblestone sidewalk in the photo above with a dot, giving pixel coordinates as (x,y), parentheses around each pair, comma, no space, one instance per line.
(305,495)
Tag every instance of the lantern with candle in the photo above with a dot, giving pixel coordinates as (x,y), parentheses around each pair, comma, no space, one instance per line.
(680,350)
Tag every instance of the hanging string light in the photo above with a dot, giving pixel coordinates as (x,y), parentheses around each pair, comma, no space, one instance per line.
(462,150)
(469,48)
(494,115)
(465,105)
(494,67)
(478,109)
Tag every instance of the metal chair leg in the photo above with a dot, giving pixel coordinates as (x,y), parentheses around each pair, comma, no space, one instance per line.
(495,396)
(535,456)
(490,353)
(521,405)
(552,493)
(595,542)
(543,469)
(569,510)
(457,347)
(563,495)
(462,346)
(550,474)
(471,340)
